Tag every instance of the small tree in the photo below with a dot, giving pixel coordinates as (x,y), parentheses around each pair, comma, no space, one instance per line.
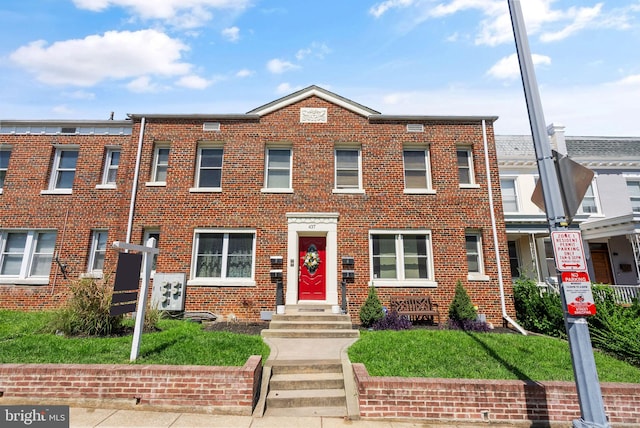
(371,311)
(461,308)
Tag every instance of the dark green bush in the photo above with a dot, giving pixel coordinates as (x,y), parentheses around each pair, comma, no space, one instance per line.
(537,311)
(371,311)
(461,308)
(87,310)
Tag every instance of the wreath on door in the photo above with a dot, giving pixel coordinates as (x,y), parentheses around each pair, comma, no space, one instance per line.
(312,259)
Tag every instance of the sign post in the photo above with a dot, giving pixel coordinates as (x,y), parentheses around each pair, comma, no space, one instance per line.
(147,261)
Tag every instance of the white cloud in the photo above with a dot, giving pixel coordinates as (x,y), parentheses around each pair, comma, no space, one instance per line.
(62,109)
(80,95)
(317,50)
(114,55)
(582,18)
(232,34)
(509,67)
(277,66)
(142,84)
(245,73)
(179,13)
(381,8)
(193,82)
(283,88)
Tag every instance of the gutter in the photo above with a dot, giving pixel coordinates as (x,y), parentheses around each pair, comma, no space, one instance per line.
(495,233)
(134,188)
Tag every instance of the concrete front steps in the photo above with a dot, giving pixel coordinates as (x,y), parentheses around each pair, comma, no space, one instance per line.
(306,388)
(310,321)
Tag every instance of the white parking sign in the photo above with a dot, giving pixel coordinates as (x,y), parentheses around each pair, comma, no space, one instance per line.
(569,250)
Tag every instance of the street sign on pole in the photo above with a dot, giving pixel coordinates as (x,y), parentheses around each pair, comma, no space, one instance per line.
(569,251)
(576,287)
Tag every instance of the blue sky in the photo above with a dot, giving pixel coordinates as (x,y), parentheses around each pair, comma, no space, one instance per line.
(82,59)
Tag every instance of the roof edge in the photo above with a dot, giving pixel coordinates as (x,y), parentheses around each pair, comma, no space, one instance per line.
(101,122)
(232,116)
(422,118)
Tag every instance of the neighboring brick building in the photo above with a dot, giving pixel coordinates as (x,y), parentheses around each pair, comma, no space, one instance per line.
(313,185)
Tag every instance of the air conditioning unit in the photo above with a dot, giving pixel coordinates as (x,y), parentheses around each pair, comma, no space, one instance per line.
(168,291)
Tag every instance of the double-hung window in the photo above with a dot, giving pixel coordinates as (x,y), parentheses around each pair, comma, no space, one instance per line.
(348,171)
(26,255)
(417,171)
(473,247)
(111,163)
(465,167)
(401,259)
(4,165)
(633,188)
(209,169)
(64,170)
(509,195)
(223,257)
(97,252)
(160,165)
(589,202)
(278,170)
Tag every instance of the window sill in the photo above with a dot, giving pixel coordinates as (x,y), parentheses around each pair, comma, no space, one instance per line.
(24,281)
(355,191)
(156,184)
(106,186)
(205,190)
(276,190)
(420,191)
(470,186)
(217,282)
(403,284)
(57,192)
(478,277)
(95,275)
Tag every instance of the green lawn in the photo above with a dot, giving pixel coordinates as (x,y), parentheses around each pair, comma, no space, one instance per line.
(455,354)
(177,343)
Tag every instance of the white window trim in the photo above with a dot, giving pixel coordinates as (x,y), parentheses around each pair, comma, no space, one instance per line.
(358,189)
(222,282)
(401,282)
(95,273)
(472,174)
(480,275)
(5,149)
(516,190)
(24,277)
(416,190)
(596,200)
(196,187)
(154,166)
(52,190)
(288,189)
(145,238)
(107,167)
(627,178)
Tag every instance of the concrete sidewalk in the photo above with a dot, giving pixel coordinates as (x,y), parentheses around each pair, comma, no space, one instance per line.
(112,418)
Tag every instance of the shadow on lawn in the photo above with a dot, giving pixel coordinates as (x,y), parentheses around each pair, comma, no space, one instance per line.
(534,392)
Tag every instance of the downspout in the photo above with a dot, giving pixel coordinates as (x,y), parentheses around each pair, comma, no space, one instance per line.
(134,188)
(495,232)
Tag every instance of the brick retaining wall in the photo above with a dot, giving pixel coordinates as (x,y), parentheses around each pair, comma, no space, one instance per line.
(229,390)
(480,400)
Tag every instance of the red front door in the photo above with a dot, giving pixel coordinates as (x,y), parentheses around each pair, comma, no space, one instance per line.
(313,265)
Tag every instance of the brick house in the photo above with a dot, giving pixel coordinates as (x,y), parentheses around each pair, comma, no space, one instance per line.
(308,189)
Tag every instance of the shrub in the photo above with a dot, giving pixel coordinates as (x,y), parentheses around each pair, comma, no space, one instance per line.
(371,311)
(87,310)
(538,311)
(468,325)
(461,308)
(392,321)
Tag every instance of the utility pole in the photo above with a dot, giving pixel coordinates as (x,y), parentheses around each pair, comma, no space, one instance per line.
(584,367)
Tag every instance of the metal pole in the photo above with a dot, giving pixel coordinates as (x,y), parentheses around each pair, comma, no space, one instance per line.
(147,262)
(584,368)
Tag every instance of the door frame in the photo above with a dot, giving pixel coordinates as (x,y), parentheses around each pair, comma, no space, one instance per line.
(312,224)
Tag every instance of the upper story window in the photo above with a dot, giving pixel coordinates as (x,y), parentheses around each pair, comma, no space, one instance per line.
(509,195)
(160,164)
(278,169)
(223,257)
(417,170)
(26,254)
(4,165)
(97,251)
(475,263)
(209,169)
(348,172)
(398,257)
(466,175)
(111,163)
(590,202)
(633,188)
(64,170)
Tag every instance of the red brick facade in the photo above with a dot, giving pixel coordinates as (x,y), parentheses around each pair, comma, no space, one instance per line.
(275,218)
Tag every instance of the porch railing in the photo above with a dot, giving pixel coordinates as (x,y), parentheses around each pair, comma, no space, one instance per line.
(623,294)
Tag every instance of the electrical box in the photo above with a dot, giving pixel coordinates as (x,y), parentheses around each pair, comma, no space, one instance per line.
(168,291)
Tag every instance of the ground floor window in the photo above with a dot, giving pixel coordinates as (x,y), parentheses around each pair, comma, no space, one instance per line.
(401,256)
(26,254)
(223,255)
